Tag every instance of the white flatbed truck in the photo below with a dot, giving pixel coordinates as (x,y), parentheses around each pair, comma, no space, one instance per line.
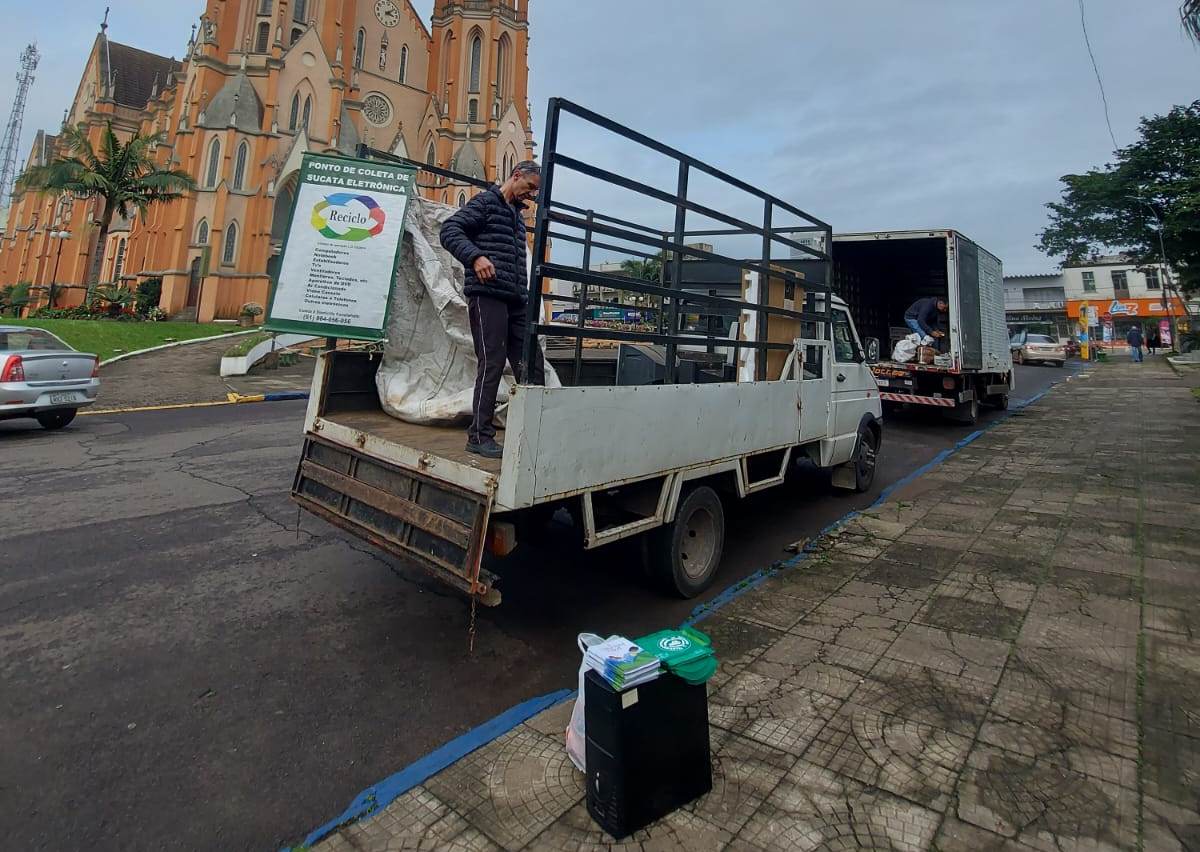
(655,460)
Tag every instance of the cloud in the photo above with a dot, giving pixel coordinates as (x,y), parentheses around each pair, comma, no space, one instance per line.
(871,115)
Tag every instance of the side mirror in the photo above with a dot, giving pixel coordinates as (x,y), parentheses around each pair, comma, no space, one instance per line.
(871,344)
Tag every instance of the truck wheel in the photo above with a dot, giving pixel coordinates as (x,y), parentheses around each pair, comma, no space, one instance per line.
(865,463)
(966,413)
(999,401)
(56,419)
(682,557)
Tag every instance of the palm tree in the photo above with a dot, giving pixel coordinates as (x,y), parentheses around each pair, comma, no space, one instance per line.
(1189,14)
(124,177)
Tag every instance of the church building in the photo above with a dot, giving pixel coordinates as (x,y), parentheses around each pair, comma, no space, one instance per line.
(262,82)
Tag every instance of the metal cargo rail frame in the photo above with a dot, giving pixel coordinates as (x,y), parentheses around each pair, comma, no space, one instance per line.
(588,225)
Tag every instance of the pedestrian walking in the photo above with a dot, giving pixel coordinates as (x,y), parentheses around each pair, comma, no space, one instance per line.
(1134,339)
(487,236)
(1153,341)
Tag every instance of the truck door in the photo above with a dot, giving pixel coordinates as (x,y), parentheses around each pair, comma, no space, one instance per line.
(814,388)
(852,385)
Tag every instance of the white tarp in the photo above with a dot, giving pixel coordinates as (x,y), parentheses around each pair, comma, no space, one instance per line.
(428,370)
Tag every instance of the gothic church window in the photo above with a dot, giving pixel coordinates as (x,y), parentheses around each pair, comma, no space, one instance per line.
(462,199)
(476,59)
(503,57)
(403,62)
(376,109)
(299,10)
(263,40)
(229,252)
(294,117)
(202,233)
(239,165)
(119,261)
(264,7)
(431,155)
(360,46)
(214,164)
(307,112)
(296,33)
(473,110)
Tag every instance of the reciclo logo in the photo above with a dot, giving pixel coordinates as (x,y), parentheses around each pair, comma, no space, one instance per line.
(351,218)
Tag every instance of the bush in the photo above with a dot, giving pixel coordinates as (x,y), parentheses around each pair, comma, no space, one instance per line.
(156,314)
(252,309)
(16,297)
(149,292)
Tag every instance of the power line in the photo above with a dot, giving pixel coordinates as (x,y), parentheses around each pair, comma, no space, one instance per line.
(1099,82)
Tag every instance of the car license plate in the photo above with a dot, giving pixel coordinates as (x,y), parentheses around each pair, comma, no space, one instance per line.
(60,398)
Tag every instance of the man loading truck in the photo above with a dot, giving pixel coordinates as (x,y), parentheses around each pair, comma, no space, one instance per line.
(923,316)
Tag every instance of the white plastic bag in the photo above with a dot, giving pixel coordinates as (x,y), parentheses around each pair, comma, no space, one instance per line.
(905,350)
(576,743)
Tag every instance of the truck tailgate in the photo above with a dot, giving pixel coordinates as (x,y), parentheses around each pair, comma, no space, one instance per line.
(438,525)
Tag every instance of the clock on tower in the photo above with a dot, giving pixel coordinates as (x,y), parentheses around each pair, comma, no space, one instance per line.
(387,12)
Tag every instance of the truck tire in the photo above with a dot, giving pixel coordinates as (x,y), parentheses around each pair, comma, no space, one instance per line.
(682,557)
(966,413)
(865,460)
(53,420)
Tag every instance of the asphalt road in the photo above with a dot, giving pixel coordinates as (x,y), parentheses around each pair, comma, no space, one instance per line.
(182,668)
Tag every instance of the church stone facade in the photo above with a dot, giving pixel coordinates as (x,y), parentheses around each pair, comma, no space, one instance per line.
(262,82)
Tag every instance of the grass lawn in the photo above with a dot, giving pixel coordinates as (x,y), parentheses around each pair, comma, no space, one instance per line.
(108,338)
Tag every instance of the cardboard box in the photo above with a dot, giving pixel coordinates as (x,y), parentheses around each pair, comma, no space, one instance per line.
(781,293)
(926,354)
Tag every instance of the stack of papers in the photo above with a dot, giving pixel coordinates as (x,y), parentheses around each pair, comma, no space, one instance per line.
(622,663)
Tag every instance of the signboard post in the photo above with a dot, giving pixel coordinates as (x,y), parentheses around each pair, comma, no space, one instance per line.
(1085,351)
(341,248)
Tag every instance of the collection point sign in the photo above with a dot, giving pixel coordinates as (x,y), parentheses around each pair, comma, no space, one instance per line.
(341,248)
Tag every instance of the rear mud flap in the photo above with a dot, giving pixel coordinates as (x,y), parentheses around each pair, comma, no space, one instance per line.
(435,524)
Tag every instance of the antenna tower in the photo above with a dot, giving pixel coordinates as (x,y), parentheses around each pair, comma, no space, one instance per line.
(12,133)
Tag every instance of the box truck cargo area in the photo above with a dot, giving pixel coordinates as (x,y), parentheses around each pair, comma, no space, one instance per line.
(880,274)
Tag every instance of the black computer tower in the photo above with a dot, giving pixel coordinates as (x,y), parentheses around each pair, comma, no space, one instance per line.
(647,750)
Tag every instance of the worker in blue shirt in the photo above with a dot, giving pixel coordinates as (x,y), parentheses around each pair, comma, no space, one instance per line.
(922,315)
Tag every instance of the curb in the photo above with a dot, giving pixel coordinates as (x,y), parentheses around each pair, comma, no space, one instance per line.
(233,399)
(125,355)
(379,796)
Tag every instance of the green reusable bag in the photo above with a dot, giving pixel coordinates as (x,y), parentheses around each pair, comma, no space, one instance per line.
(686,653)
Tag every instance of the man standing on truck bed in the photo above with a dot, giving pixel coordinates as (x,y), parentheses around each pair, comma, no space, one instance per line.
(487,236)
(922,315)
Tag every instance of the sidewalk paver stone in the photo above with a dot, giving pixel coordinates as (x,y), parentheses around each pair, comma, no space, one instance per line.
(925,695)
(915,761)
(1044,805)
(951,652)
(991,620)
(816,809)
(784,716)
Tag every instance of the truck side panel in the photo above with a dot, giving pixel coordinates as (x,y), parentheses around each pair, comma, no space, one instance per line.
(970,334)
(589,437)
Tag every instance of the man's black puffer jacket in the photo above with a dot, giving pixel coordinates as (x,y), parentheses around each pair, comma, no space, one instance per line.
(488,226)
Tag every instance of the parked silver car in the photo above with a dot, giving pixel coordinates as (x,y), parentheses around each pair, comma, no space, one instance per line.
(43,378)
(1029,348)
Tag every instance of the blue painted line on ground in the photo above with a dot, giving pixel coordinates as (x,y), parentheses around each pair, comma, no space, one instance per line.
(379,796)
(284,395)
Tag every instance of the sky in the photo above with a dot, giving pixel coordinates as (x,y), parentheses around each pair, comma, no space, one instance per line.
(870,115)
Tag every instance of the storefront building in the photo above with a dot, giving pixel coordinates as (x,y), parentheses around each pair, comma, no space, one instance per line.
(1119,295)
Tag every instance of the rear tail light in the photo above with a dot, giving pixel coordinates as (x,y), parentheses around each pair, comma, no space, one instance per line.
(948,383)
(96,368)
(14,370)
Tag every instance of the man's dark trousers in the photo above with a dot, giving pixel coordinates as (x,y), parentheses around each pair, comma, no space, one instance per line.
(498,328)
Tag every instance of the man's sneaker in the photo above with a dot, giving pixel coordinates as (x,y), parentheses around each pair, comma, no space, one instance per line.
(489,449)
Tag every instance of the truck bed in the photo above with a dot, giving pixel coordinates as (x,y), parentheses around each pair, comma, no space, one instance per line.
(448,442)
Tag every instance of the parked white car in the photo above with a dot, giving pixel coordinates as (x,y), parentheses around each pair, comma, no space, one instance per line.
(43,378)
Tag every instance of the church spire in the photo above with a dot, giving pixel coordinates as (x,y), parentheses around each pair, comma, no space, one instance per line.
(104,23)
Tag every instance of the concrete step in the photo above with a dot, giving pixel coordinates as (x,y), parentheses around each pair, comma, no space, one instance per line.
(186,315)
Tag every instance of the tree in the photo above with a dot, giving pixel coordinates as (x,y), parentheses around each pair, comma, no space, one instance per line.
(1189,15)
(122,177)
(1155,183)
(649,269)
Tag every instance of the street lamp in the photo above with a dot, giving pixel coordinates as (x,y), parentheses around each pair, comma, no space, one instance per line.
(62,237)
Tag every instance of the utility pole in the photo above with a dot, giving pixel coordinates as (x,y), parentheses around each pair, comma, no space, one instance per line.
(10,147)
